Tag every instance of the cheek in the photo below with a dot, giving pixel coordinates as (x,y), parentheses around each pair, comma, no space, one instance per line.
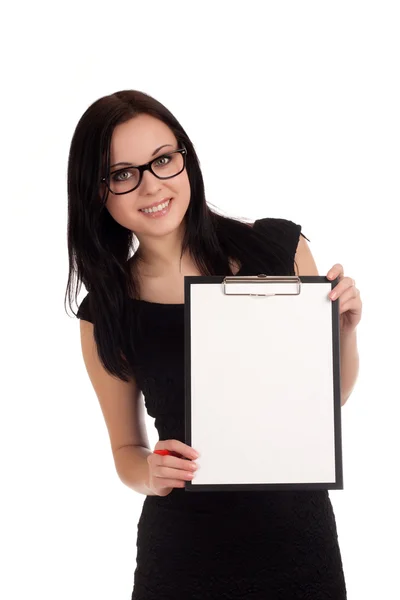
(184,186)
(120,212)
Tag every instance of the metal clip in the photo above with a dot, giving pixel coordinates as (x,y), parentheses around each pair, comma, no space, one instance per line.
(261,279)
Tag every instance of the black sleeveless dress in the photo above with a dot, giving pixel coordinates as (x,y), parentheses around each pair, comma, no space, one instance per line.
(254,545)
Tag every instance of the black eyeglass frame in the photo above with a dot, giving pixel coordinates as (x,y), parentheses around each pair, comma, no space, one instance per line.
(146,167)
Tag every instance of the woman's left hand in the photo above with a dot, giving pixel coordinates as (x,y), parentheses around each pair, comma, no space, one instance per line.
(350,305)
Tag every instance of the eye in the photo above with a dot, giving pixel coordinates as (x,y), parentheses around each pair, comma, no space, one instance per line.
(118,176)
(164,157)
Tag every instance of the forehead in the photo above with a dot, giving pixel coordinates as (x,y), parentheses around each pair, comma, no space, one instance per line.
(135,140)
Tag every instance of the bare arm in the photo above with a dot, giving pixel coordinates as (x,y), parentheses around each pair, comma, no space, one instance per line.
(133,468)
(123,411)
(349,359)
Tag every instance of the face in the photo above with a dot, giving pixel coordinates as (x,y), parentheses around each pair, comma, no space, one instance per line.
(134,142)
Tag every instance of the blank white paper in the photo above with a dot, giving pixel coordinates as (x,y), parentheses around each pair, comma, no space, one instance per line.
(262,397)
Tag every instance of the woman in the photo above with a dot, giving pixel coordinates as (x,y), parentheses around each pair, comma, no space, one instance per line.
(133,175)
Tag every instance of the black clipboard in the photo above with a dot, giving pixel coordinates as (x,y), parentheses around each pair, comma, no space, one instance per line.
(262,383)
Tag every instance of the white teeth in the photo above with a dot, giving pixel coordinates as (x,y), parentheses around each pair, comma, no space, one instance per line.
(155,208)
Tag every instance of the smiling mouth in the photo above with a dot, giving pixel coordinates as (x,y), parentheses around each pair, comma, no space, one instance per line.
(160,209)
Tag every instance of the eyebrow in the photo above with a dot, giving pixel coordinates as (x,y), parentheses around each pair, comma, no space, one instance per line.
(127,163)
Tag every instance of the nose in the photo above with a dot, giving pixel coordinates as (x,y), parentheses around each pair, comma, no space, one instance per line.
(150,182)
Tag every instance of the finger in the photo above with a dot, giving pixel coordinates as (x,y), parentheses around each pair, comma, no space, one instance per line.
(346,283)
(336,271)
(176,483)
(178,463)
(353,304)
(340,288)
(180,447)
(168,473)
(348,294)
(157,461)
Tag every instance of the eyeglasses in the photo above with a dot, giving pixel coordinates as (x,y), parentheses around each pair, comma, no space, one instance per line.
(127,179)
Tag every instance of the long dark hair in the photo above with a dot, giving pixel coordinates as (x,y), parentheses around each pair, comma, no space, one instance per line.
(99,247)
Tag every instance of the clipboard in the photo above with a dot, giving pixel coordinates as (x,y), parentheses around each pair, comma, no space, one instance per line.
(262,383)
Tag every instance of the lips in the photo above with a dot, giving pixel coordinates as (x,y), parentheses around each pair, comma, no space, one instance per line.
(155,203)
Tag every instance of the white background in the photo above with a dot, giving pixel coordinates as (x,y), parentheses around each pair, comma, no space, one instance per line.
(305,95)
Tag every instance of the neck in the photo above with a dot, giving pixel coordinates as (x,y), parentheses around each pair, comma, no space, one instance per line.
(157,257)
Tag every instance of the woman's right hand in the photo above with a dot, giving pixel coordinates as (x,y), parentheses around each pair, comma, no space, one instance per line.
(169,472)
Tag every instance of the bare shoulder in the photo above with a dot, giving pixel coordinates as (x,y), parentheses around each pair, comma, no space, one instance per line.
(121,402)
(304,260)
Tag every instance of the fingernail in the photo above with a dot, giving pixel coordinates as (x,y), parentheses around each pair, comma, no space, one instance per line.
(333,295)
(195,454)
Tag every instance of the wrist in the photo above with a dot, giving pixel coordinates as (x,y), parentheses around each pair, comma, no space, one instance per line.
(348,340)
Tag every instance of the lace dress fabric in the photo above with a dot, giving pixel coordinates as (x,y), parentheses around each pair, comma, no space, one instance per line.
(254,545)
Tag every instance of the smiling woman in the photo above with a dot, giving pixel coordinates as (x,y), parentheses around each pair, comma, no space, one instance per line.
(129,153)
